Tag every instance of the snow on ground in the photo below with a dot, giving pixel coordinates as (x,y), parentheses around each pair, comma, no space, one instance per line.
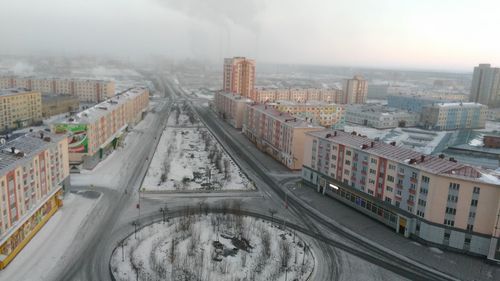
(186,248)
(189,158)
(48,247)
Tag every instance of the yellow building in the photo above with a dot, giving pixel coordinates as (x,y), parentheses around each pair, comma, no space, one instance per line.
(34,170)
(100,127)
(19,108)
(322,113)
(87,90)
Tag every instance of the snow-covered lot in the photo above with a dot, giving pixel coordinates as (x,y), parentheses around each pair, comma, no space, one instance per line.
(189,158)
(212,247)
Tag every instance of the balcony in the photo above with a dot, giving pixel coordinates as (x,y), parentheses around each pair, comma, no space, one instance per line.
(363,173)
(365,163)
(411,203)
(354,168)
(412,191)
(413,180)
(399,186)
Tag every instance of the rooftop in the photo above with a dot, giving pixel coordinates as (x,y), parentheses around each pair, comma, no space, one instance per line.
(52,97)
(101,109)
(54,78)
(459,104)
(306,103)
(235,96)
(25,147)
(14,91)
(429,163)
(284,117)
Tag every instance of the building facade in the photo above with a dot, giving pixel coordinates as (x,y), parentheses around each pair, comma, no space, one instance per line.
(231,108)
(429,198)
(297,95)
(491,141)
(485,88)
(279,134)
(85,89)
(239,76)
(58,104)
(355,90)
(99,128)
(19,108)
(380,117)
(33,172)
(454,116)
(412,103)
(322,113)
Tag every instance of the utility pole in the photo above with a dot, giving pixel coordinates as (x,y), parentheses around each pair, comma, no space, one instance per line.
(164,211)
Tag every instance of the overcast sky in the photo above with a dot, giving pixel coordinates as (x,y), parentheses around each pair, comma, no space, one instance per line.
(433,34)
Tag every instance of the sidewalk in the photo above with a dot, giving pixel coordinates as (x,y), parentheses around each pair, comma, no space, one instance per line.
(460,265)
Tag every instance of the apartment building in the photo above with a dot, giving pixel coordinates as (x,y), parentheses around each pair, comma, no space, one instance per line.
(485,88)
(321,113)
(354,91)
(99,128)
(231,108)
(429,198)
(380,117)
(414,103)
(239,76)
(58,104)
(297,95)
(34,170)
(19,108)
(87,90)
(453,116)
(279,134)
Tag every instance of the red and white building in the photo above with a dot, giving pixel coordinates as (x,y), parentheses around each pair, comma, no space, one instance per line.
(239,76)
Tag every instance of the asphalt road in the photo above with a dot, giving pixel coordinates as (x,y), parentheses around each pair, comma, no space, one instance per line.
(112,218)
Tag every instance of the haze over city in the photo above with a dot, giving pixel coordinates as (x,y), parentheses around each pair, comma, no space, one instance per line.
(439,35)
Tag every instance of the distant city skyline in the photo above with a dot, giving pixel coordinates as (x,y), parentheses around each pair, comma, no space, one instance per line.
(416,35)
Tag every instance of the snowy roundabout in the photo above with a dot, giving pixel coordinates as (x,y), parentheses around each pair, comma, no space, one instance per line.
(212,246)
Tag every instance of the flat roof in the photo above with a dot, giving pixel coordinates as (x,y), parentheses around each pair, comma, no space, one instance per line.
(235,97)
(431,164)
(53,97)
(101,109)
(307,103)
(54,78)
(29,144)
(15,91)
(459,104)
(284,117)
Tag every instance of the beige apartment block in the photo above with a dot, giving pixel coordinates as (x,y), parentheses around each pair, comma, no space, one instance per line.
(87,90)
(58,104)
(454,115)
(279,134)
(96,129)
(231,108)
(430,198)
(19,108)
(322,113)
(297,95)
(34,170)
(239,76)
(354,90)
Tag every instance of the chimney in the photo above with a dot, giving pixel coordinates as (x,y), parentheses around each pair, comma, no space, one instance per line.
(41,135)
(422,158)
(335,133)
(328,136)
(13,150)
(372,144)
(364,146)
(393,143)
(441,156)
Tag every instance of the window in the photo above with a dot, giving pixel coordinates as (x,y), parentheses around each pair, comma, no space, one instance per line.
(423,190)
(392,167)
(449,223)
(414,175)
(454,199)
(470,227)
(373,161)
(401,170)
(347,162)
(425,179)
(348,152)
(422,202)
(473,202)
(372,171)
(420,214)
(451,211)
(389,188)
(390,178)
(388,200)
(454,186)
(476,190)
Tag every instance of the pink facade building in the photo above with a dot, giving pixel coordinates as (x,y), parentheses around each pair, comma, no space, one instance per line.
(297,95)
(354,91)
(239,76)
(279,134)
(231,108)
(430,198)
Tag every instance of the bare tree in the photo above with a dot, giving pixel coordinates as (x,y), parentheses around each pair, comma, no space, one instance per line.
(227,169)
